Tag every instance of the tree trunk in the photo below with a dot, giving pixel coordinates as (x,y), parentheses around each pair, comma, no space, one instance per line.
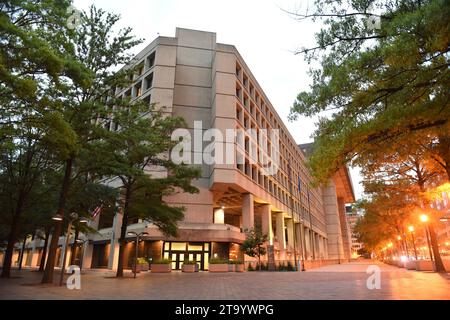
(74,248)
(50,265)
(434,244)
(15,229)
(123,232)
(22,252)
(44,252)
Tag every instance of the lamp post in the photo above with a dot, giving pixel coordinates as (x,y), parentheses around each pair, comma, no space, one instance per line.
(424,219)
(411,229)
(72,217)
(138,235)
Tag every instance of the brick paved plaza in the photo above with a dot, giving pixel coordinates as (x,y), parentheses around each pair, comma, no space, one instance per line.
(345,281)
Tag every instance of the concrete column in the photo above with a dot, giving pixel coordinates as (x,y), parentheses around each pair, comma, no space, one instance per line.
(290,233)
(266,222)
(248,212)
(219,216)
(334,236)
(88,250)
(280,231)
(113,260)
(34,252)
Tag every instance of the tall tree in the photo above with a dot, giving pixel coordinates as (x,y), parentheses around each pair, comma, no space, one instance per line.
(138,156)
(101,50)
(33,56)
(377,83)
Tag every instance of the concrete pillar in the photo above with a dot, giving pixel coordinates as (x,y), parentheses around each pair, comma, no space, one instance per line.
(113,260)
(280,231)
(248,212)
(290,233)
(219,216)
(266,222)
(334,236)
(34,252)
(88,249)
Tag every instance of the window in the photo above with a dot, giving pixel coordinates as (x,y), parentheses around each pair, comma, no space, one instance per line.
(147,99)
(148,81)
(151,60)
(238,70)
(137,89)
(245,80)
(139,69)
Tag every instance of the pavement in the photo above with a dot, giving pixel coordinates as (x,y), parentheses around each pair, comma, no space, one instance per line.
(343,282)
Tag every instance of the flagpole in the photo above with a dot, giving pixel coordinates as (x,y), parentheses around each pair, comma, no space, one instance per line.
(311,227)
(293,219)
(302,233)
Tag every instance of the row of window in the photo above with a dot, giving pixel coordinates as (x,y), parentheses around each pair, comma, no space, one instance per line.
(253,112)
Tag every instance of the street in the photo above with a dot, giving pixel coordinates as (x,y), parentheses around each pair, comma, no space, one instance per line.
(343,282)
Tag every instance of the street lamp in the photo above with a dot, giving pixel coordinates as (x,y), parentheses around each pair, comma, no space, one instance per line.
(424,218)
(138,235)
(411,229)
(73,216)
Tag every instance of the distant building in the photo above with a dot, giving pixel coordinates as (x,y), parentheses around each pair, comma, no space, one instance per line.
(352,217)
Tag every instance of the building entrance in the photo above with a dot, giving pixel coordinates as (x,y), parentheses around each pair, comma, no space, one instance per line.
(178,252)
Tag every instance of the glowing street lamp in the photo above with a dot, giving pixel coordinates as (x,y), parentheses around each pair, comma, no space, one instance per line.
(424,218)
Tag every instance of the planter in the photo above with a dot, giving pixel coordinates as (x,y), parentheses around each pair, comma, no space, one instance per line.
(239,267)
(189,268)
(425,265)
(160,268)
(231,268)
(219,267)
(411,265)
(140,267)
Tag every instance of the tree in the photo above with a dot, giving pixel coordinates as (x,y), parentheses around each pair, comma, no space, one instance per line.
(33,55)
(398,187)
(376,85)
(138,157)
(253,244)
(83,106)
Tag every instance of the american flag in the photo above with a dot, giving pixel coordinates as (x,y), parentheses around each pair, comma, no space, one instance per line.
(97,210)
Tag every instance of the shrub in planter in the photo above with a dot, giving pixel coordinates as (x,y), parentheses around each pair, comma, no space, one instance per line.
(189,266)
(218,265)
(238,265)
(161,265)
(142,265)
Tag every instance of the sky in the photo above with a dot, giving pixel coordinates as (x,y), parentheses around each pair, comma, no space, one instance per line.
(264,34)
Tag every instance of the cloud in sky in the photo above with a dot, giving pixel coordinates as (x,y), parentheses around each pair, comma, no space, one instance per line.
(264,34)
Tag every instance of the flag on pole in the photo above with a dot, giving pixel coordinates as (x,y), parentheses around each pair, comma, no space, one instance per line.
(97,211)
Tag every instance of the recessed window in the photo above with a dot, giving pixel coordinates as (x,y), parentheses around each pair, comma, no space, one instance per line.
(151,60)
(148,81)
(138,89)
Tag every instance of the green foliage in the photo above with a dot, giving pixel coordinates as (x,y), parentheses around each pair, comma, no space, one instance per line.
(218,261)
(253,243)
(142,260)
(235,262)
(161,261)
(376,88)
(190,262)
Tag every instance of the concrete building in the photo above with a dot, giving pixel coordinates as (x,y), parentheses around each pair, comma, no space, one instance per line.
(194,77)
(352,218)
